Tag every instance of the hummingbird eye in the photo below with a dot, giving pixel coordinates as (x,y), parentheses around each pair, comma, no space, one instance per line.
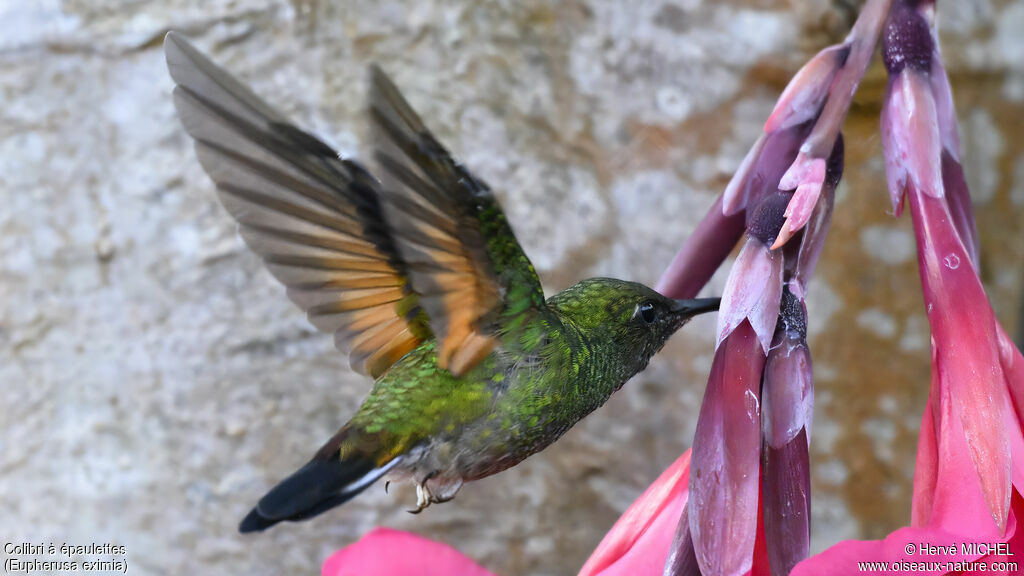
(646,312)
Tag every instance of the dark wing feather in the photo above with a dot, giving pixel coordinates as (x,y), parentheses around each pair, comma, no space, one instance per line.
(315,220)
(364,261)
(461,255)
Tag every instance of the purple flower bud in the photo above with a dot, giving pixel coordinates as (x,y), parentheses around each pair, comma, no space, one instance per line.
(786,500)
(682,559)
(724,479)
(787,405)
(907,41)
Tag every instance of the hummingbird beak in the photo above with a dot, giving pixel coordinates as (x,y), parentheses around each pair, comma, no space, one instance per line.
(691,308)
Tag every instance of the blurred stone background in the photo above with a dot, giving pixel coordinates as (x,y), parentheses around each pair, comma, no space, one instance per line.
(154,380)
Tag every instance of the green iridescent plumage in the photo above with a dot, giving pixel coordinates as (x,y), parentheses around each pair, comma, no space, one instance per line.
(421,280)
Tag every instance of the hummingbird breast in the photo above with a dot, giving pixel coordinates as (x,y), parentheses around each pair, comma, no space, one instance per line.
(512,405)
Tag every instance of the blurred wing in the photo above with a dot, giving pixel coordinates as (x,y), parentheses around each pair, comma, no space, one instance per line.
(473,279)
(314,219)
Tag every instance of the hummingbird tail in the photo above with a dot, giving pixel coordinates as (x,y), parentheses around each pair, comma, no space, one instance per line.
(315,488)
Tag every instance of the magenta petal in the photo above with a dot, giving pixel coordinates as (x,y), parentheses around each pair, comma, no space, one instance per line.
(905,545)
(967,356)
(723,504)
(386,552)
(787,398)
(1013,367)
(850,557)
(805,94)
(647,556)
(752,293)
(960,504)
(807,175)
(643,533)
(926,466)
(787,503)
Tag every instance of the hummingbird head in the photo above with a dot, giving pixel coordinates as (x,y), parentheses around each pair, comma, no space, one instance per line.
(629,321)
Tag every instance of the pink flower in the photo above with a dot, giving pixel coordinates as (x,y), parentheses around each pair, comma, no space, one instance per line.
(639,541)
(386,552)
(637,544)
(917,551)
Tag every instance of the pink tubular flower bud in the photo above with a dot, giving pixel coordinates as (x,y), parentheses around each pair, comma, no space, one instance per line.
(967,356)
(967,372)
(805,94)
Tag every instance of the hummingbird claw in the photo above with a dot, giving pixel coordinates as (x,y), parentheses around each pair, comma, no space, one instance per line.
(386,485)
(423,498)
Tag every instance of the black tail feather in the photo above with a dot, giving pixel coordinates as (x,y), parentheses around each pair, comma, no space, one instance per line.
(253,522)
(317,487)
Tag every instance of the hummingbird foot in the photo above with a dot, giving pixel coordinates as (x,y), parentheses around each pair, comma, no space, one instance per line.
(445,490)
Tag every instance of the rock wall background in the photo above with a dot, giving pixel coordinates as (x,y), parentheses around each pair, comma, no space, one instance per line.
(154,380)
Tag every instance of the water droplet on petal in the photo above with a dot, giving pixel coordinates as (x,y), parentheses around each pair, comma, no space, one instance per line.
(952,261)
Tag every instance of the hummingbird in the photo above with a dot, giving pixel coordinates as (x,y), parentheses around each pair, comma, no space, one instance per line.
(420,279)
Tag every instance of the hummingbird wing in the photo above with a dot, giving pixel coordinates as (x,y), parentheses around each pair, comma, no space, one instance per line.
(474,280)
(316,220)
(382,269)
